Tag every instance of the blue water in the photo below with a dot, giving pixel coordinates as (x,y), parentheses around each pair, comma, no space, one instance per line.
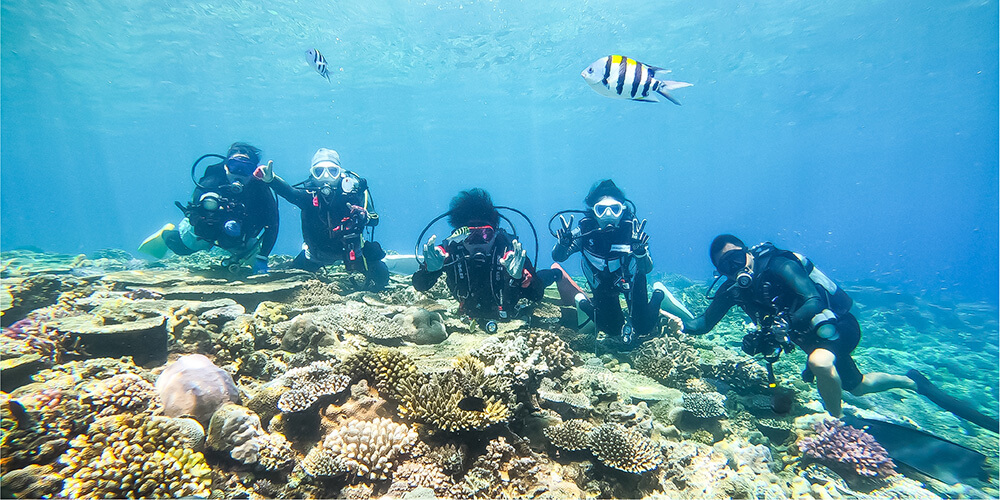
(863,134)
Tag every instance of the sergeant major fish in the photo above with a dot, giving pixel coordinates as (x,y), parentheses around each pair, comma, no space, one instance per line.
(623,78)
(317,61)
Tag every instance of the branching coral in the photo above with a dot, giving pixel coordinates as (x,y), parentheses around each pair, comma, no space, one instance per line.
(624,449)
(848,448)
(309,383)
(667,360)
(124,393)
(384,368)
(366,448)
(437,400)
(705,404)
(133,456)
(572,435)
(522,355)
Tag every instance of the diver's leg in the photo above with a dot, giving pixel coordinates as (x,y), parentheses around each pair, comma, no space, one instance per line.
(378,271)
(303,262)
(548,276)
(645,313)
(878,382)
(821,364)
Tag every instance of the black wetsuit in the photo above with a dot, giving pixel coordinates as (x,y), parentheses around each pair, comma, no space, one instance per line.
(329,224)
(480,283)
(612,270)
(249,202)
(782,283)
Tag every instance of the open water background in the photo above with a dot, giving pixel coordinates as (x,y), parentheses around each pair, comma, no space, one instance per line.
(862,134)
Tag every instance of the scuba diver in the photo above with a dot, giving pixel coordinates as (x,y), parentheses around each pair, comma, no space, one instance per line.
(615,262)
(336,208)
(486,268)
(231,208)
(791,302)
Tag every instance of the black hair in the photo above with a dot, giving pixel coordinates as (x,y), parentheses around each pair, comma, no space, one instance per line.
(601,189)
(474,205)
(247,149)
(720,242)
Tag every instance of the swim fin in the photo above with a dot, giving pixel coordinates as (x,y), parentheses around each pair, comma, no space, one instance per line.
(960,408)
(928,454)
(671,305)
(155,245)
(567,287)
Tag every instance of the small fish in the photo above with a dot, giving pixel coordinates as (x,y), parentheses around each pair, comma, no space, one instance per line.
(472,403)
(20,414)
(623,78)
(317,61)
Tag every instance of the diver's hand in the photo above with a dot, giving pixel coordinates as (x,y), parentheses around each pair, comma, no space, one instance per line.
(358,214)
(780,327)
(513,260)
(433,255)
(565,234)
(265,172)
(640,240)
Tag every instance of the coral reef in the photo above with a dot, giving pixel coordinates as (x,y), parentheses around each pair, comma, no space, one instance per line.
(462,399)
(521,355)
(572,435)
(133,456)
(612,444)
(668,360)
(124,393)
(385,368)
(705,404)
(193,385)
(309,383)
(847,448)
(364,448)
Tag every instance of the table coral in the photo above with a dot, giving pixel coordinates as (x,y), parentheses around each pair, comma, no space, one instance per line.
(364,448)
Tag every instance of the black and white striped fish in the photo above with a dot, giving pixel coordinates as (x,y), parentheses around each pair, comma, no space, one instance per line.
(317,61)
(624,78)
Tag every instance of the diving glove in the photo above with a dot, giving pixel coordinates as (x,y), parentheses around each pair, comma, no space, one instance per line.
(565,234)
(640,240)
(433,255)
(513,260)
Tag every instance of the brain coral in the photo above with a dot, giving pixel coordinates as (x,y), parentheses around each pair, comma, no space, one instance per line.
(128,456)
(624,449)
(124,393)
(310,383)
(194,386)
(366,448)
(570,435)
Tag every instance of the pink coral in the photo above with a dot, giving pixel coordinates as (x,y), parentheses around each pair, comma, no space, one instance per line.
(839,444)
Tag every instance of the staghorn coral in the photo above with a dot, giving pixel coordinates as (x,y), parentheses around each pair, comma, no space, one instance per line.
(384,368)
(309,383)
(133,456)
(848,449)
(437,399)
(192,385)
(124,393)
(705,404)
(365,448)
(668,360)
(572,435)
(624,449)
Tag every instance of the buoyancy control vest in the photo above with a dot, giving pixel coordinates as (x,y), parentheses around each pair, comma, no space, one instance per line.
(836,301)
(608,252)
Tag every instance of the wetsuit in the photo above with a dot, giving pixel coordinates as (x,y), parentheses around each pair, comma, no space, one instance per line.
(611,270)
(332,223)
(480,283)
(782,283)
(249,202)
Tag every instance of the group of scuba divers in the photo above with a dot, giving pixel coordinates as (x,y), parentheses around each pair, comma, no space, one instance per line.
(791,302)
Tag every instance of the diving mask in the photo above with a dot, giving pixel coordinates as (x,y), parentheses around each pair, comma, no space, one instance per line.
(736,263)
(478,240)
(609,212)
(325,171)
(240,164)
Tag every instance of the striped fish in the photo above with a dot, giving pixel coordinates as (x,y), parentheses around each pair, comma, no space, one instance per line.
(316,60)
(623,78)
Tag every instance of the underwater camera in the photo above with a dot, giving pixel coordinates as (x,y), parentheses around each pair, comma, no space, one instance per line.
(769,343)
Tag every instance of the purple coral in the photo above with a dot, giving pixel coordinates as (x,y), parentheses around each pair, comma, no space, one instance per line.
(841,444)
